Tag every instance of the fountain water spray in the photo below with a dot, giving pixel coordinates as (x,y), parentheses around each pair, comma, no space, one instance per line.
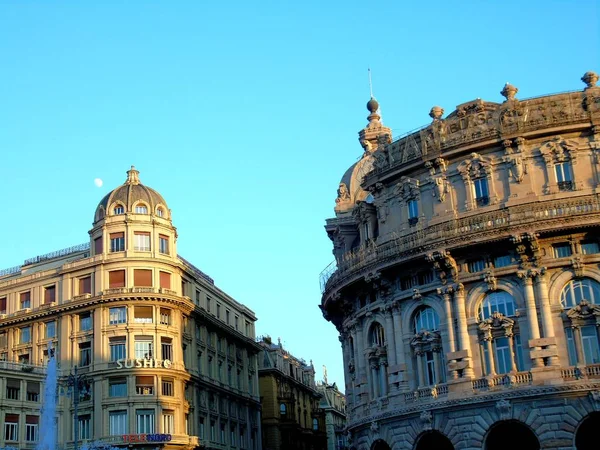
(48,412)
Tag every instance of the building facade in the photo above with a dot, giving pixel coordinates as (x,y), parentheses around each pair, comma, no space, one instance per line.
(333,404)
(466,281)
(166,358)
(291,416)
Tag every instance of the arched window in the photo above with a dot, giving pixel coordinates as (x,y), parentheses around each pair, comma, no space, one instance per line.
(282,409)
(160,212)
(119,209)
(100,214)
(377,335)
(577,290)
(315,424)
(498,301)
(141,209)
(426,319)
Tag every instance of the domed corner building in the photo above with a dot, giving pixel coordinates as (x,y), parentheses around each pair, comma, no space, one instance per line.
(466,281)
(164,358)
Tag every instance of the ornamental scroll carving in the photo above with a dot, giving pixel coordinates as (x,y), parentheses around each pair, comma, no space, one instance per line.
(407,189)
(558,150)
(515,159)
(444,265)
(497,325)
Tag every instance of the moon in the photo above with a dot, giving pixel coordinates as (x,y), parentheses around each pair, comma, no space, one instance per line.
(98,182)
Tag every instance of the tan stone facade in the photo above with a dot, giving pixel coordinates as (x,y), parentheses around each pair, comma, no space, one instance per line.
(291,416)
(466,286)
(333,404)
(164,351)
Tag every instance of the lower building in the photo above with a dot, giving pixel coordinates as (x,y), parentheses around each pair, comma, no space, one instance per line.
(333,404)
(291,416)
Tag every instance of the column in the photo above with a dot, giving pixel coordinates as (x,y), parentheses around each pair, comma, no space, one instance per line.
(547,325)
(532,321)
(463,333)
(420,375)
(384,379)
(374,379)
(511,346)
(399,344)
(578,345)
(490,352)
(449,329)
(390,337)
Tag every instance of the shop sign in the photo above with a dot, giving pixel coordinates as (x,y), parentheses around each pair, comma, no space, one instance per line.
(144,363)
(132,438)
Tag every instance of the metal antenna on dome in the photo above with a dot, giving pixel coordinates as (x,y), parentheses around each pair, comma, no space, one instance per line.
(370,82)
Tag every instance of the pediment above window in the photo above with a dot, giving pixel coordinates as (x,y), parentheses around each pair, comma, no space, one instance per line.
(584,312)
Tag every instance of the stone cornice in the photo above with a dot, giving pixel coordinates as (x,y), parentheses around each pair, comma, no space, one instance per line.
(470,400)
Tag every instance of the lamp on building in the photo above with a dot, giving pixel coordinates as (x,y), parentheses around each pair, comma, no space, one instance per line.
(77,386)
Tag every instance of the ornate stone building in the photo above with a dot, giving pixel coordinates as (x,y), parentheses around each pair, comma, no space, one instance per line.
(333,404)
(291,417)
(168,359)
(466,281)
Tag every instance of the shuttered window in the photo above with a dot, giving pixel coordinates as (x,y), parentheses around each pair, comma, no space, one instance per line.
(165,280)
(142,277)
(85,285)
(116,278)
(98,245)
(49,294)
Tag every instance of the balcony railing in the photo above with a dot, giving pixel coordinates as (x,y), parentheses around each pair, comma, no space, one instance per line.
(29,368)
(512,379)
(391,247)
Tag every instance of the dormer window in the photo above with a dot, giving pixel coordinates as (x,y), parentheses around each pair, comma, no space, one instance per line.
(119,209)
(141,209)
(160,212)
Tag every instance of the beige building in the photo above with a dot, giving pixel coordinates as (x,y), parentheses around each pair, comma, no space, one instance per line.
(291,417)
(169,359)
(466,281)
(333,404)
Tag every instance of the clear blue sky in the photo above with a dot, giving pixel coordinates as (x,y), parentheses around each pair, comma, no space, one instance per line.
(244,115)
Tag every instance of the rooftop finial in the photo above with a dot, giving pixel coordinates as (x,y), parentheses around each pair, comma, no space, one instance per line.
(590,79)
(133,176)
(372,104)
(509,91)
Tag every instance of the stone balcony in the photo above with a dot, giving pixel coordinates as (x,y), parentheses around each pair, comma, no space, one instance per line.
(392,249)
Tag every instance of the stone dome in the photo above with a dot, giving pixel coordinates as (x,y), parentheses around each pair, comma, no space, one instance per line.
(130,195)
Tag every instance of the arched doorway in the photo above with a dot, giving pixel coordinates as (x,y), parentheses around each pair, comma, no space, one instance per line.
(511,434)
(587,432)
(433,440)
(380,444)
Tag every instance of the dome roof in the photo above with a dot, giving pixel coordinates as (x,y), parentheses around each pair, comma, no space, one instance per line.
(132,192)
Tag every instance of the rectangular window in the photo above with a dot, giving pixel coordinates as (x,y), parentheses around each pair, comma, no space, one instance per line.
(3,305)
(141,241)
(24,358)
(503,357)
(166,347)
(11,427)
(85,353)
(481,191)
(117,242)
(163,244)
(3,339)
(168,422)
(85,426)
(201,428)
(413,212)
(212,431)
(143,347)
(571,347)
(13,389)
(85,285)
(116,278)
(236,319)
(144,385)
(25,298)
(117,423)
(589,341)
(49,294)
(589,248)
(118,348)
(142,314)
(31,428)
(165,280)
(165,316)
(476,266)
(167,388)
(519,353)
(117,387)
(562,250)
(144,419)
(564,176)
(142,277)
(98,246)
(208,301)
(117,315)
(50,328)
(502,261)
(218,311)
(232,436)
(85,322)
(430,365)
(25,335)
(33,391)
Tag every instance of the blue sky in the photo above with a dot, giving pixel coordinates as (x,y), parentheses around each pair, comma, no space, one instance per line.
(244,115)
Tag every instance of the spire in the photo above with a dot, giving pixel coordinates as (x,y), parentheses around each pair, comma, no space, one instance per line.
(133,176)
(372,104)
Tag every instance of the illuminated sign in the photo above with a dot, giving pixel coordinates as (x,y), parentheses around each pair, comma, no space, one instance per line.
(143,363)
(132,438)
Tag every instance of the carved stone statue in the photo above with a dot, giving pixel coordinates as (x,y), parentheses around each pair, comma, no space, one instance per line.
(441,187)
(343,193)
